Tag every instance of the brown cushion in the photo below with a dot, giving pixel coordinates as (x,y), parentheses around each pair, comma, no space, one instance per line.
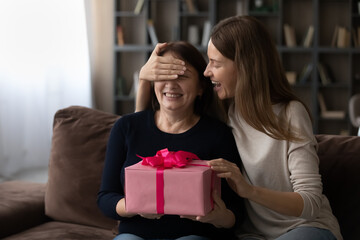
(78,150)
(340,169)
(21,202)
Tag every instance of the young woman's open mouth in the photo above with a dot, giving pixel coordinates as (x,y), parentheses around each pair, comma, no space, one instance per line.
(216,85)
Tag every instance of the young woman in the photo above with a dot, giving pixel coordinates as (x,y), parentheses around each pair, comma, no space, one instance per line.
(178,121)
(279,177)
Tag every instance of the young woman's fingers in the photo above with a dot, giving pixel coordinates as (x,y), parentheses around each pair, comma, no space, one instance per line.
(168,64)
(171,60)
(218,161)
(158,48)
(224,168)
(168,72)
(224,175)
(221,165)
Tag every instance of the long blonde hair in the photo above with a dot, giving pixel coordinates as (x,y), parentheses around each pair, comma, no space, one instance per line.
(261,78)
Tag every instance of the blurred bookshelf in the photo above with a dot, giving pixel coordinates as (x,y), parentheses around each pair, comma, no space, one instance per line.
(318,42)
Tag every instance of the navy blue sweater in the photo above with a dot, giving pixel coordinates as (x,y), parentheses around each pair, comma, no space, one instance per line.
(137,134)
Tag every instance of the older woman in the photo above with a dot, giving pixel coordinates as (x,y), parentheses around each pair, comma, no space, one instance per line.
(178,121)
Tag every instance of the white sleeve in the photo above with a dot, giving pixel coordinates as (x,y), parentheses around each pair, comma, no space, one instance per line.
(303,162)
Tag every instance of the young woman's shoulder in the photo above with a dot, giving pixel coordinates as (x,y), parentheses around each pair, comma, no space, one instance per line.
(299,118)
(296,110)
(296,107)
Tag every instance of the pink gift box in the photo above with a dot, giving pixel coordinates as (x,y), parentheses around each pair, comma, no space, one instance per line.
(186,191)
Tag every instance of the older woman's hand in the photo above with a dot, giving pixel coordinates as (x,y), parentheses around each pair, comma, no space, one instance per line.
(231,172)
(220,216)
(161,68)
(151,216)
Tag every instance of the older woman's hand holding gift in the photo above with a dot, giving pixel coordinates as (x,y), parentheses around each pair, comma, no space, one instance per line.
(220,216)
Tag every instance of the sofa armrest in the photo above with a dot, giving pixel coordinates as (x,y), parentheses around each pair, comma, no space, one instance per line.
(21,206)
(339,168)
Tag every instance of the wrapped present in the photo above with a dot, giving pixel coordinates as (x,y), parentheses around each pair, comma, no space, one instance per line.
(175,183)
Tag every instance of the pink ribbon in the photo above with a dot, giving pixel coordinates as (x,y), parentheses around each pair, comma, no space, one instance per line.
(165,158)
(162,160)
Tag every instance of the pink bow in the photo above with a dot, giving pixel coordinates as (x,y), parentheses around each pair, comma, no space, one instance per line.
(168,159)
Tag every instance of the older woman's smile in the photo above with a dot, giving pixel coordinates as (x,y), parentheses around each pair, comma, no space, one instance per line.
(172,95)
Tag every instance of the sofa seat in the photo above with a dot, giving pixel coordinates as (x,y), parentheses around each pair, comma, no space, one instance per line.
(61,230)
(23,216)
(21,206)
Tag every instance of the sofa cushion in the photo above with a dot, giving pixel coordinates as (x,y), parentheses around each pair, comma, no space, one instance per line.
(23,202)
(340,169)
(60,230)
(78,148)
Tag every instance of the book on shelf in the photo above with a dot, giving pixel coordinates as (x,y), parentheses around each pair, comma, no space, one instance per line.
(120,35)
(341,37)
(309,36)
(348,38)
(291,77)
(193,34)
(330,114)
(355,38)
(206,33)
(325,75)
(152,33)
(190,6)
(139,6)
(335,36)
(305,73)
(242,7)
(289,34)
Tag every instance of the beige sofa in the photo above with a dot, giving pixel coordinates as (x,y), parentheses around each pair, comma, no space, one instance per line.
(65,208)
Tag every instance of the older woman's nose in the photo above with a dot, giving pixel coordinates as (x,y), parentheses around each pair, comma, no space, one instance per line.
(171,83)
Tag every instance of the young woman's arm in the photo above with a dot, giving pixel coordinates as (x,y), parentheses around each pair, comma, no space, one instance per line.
(287,203)
(143,96)
(157,68)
